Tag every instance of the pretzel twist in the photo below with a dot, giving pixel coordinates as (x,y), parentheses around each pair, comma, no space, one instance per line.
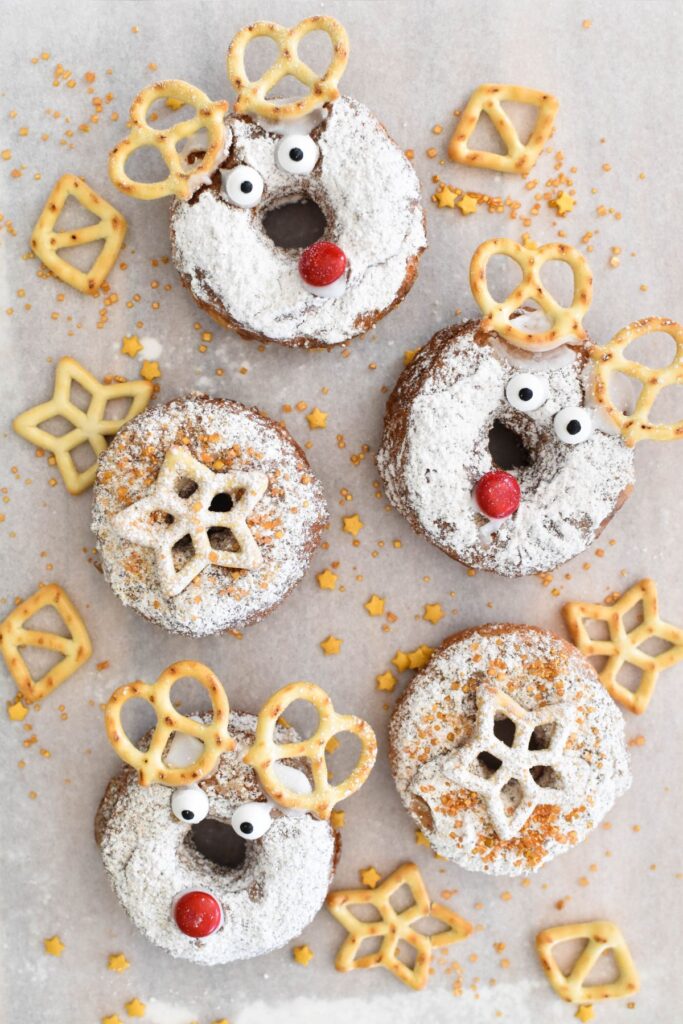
(183,178)
(611,358)
(603,937)
(565,320)
(265,751)
(150,763)
(251,96)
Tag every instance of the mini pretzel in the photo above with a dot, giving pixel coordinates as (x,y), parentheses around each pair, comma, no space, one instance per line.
(265,752)
(75,649)
(611,358)
(565,320)
(624,647)
(251,96)
(519,157)
(183,178)
(394,927)
(110,229)
(89,426)
(602,936)
(150,763)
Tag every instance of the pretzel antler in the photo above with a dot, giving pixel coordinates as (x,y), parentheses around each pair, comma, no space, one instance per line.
(251,96)
(265,751)
(150,763)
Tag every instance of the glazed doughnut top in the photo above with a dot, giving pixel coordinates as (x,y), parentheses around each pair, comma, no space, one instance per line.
(370,197)
(436,448)
(282,527)
(439,769)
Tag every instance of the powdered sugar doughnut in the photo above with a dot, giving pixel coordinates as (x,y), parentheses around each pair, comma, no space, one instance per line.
(344,161)
(506,749)
(206,514)
(264,894)
(436,450)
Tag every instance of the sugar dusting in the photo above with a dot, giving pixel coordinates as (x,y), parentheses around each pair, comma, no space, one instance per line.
(371,196)
(437,715)
(286,522)
(453,392)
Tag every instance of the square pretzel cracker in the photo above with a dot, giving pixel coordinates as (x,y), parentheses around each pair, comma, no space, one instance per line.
(110,228)
(14,635)
(601,937)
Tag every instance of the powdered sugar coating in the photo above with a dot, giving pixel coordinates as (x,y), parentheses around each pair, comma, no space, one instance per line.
(435,448)
(371,198)
(266,901)
(286,522)
(437,715)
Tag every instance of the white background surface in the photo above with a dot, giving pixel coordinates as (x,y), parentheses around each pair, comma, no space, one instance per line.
(412,63)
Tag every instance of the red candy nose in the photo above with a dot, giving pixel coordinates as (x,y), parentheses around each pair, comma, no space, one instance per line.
(497,494)
(322,264)
(197,914)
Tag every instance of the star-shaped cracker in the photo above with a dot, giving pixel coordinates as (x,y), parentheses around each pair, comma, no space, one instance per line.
(624,647)
(394,926)
(516,761)
(188,500)
(89,426)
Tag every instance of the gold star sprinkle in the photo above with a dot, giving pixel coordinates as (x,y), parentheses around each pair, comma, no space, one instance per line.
(370,877)
(353,524)
(131,346)
(332,745)
(419,657)
(387,681)
(117,962)
(409,355)
(433,613)
(317,420)
(446,197)
(114,1019)
(53,946)
(135,1008)
(585,1013)
(337,819)
(332,645)
(17,712)
(421,838)
(564,203)
(150,370)
(467,205)
(375,606)
(327,580)
(401,660)
(303,955)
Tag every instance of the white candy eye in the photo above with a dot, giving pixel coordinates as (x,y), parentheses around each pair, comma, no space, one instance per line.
(243,186)
(297,154)
(190,805)
(573,424)
(251,821)
(526,392)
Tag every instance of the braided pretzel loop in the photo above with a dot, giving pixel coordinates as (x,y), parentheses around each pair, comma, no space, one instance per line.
(611,358)
(183,178)
(251,96)
(265,752)
(565,321)
(150,763)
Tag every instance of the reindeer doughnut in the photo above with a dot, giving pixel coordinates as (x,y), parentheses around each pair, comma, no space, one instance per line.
(234,181)
(478,383)
(224,783)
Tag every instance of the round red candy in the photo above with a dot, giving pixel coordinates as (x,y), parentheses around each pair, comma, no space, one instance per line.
(497,494)
(322,263)
(197,914)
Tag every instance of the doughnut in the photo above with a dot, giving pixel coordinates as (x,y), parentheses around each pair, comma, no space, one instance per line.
(339,158)
(266,879)
(444,469)
(206,514)
(506,750)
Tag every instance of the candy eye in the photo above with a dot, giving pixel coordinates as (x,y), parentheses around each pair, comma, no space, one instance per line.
(573,424)
(297,154)
(251,821)
(526,392)
(190,805)
(243,186)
